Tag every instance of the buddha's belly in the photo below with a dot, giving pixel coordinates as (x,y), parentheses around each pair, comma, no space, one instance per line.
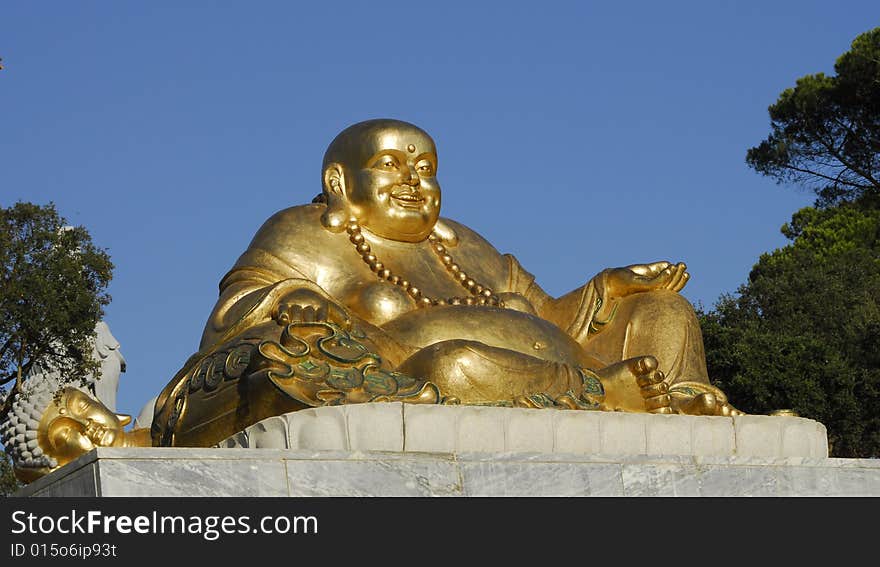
(502,328)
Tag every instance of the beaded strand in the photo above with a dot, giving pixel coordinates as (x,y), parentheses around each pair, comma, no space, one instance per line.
(480,294)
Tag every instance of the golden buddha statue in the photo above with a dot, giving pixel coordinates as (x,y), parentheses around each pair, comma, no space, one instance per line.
(368,295)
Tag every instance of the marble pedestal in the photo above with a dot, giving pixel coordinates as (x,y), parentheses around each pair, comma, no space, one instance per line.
(407,450)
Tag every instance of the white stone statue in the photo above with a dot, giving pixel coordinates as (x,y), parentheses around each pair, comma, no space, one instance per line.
(18,432)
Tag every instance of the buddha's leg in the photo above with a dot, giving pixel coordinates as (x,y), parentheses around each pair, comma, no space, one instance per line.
(658,323)
(663,324)
(476,373)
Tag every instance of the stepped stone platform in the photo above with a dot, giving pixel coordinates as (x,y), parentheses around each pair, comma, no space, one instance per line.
(395,449)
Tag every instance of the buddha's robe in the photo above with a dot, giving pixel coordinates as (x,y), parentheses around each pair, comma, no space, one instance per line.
(478,354)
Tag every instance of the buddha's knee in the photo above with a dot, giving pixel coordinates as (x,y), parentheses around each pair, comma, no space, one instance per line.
(663,307)
(452,364)
(475,372)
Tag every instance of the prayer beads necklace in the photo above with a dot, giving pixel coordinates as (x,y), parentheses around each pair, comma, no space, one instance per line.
(480,294)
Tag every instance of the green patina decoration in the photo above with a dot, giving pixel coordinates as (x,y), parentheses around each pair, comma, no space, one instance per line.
(542,400)
(323,365)
(592,384)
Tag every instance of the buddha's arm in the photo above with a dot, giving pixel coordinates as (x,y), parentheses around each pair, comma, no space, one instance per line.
(576,312)
(251,296)
(283,259)
(583,311)
(249,293)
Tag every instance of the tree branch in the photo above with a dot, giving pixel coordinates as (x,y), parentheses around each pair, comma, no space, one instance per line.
(823,176)
(5,347)
(836,153)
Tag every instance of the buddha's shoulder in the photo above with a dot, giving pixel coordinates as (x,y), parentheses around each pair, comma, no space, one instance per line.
(298,216)
(457,234)
(291,224)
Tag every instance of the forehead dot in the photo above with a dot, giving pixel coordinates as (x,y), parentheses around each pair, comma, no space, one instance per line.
(411,148)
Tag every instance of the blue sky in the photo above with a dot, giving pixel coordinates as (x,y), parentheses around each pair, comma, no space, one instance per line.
(576,135)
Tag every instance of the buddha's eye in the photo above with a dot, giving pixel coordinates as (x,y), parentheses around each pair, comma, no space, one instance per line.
(387,163)
(425,168)
(80,407)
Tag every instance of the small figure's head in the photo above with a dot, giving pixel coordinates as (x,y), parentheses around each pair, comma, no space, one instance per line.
(75,423)
(113,364)
(382,173)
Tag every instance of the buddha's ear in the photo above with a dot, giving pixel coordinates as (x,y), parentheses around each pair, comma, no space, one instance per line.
(336,215)
(334,179)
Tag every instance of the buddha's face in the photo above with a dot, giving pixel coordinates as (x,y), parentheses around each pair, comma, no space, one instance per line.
(76,424)
(391,185)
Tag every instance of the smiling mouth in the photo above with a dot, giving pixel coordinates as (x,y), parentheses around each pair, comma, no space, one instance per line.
(408,199)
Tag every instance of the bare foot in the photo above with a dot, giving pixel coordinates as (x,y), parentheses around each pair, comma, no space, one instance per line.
(708,404)
(697,398)
(635,385)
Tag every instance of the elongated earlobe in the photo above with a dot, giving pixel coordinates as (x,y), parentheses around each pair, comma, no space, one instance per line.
(334,219)
(446,233)
(336,215)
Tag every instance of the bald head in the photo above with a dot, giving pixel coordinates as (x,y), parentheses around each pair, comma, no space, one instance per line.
(382,173)
(359,142)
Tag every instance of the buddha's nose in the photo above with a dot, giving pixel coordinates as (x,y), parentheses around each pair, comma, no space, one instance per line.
(411,176)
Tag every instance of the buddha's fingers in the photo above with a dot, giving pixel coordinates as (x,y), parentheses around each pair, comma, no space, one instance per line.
(675,279)
(308,314)
(294,313)
(321,312)
(674,276)
(288,313)
(664,279)
(683,282)
(657,267)
(649,270)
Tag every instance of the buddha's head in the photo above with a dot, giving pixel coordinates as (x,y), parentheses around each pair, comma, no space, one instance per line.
(381,173)
(74,423)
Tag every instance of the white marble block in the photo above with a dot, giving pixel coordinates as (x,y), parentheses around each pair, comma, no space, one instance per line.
(271,433)
(577,432)
(473,429)
(623,433)
(170,472)
(529,431)
(318,428)
(429,428)
(480,429)
(375,427)
(395,449)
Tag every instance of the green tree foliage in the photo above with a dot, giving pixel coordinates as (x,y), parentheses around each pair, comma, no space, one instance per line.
(8,482)
(52,292)
(804,332)
(825,131)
